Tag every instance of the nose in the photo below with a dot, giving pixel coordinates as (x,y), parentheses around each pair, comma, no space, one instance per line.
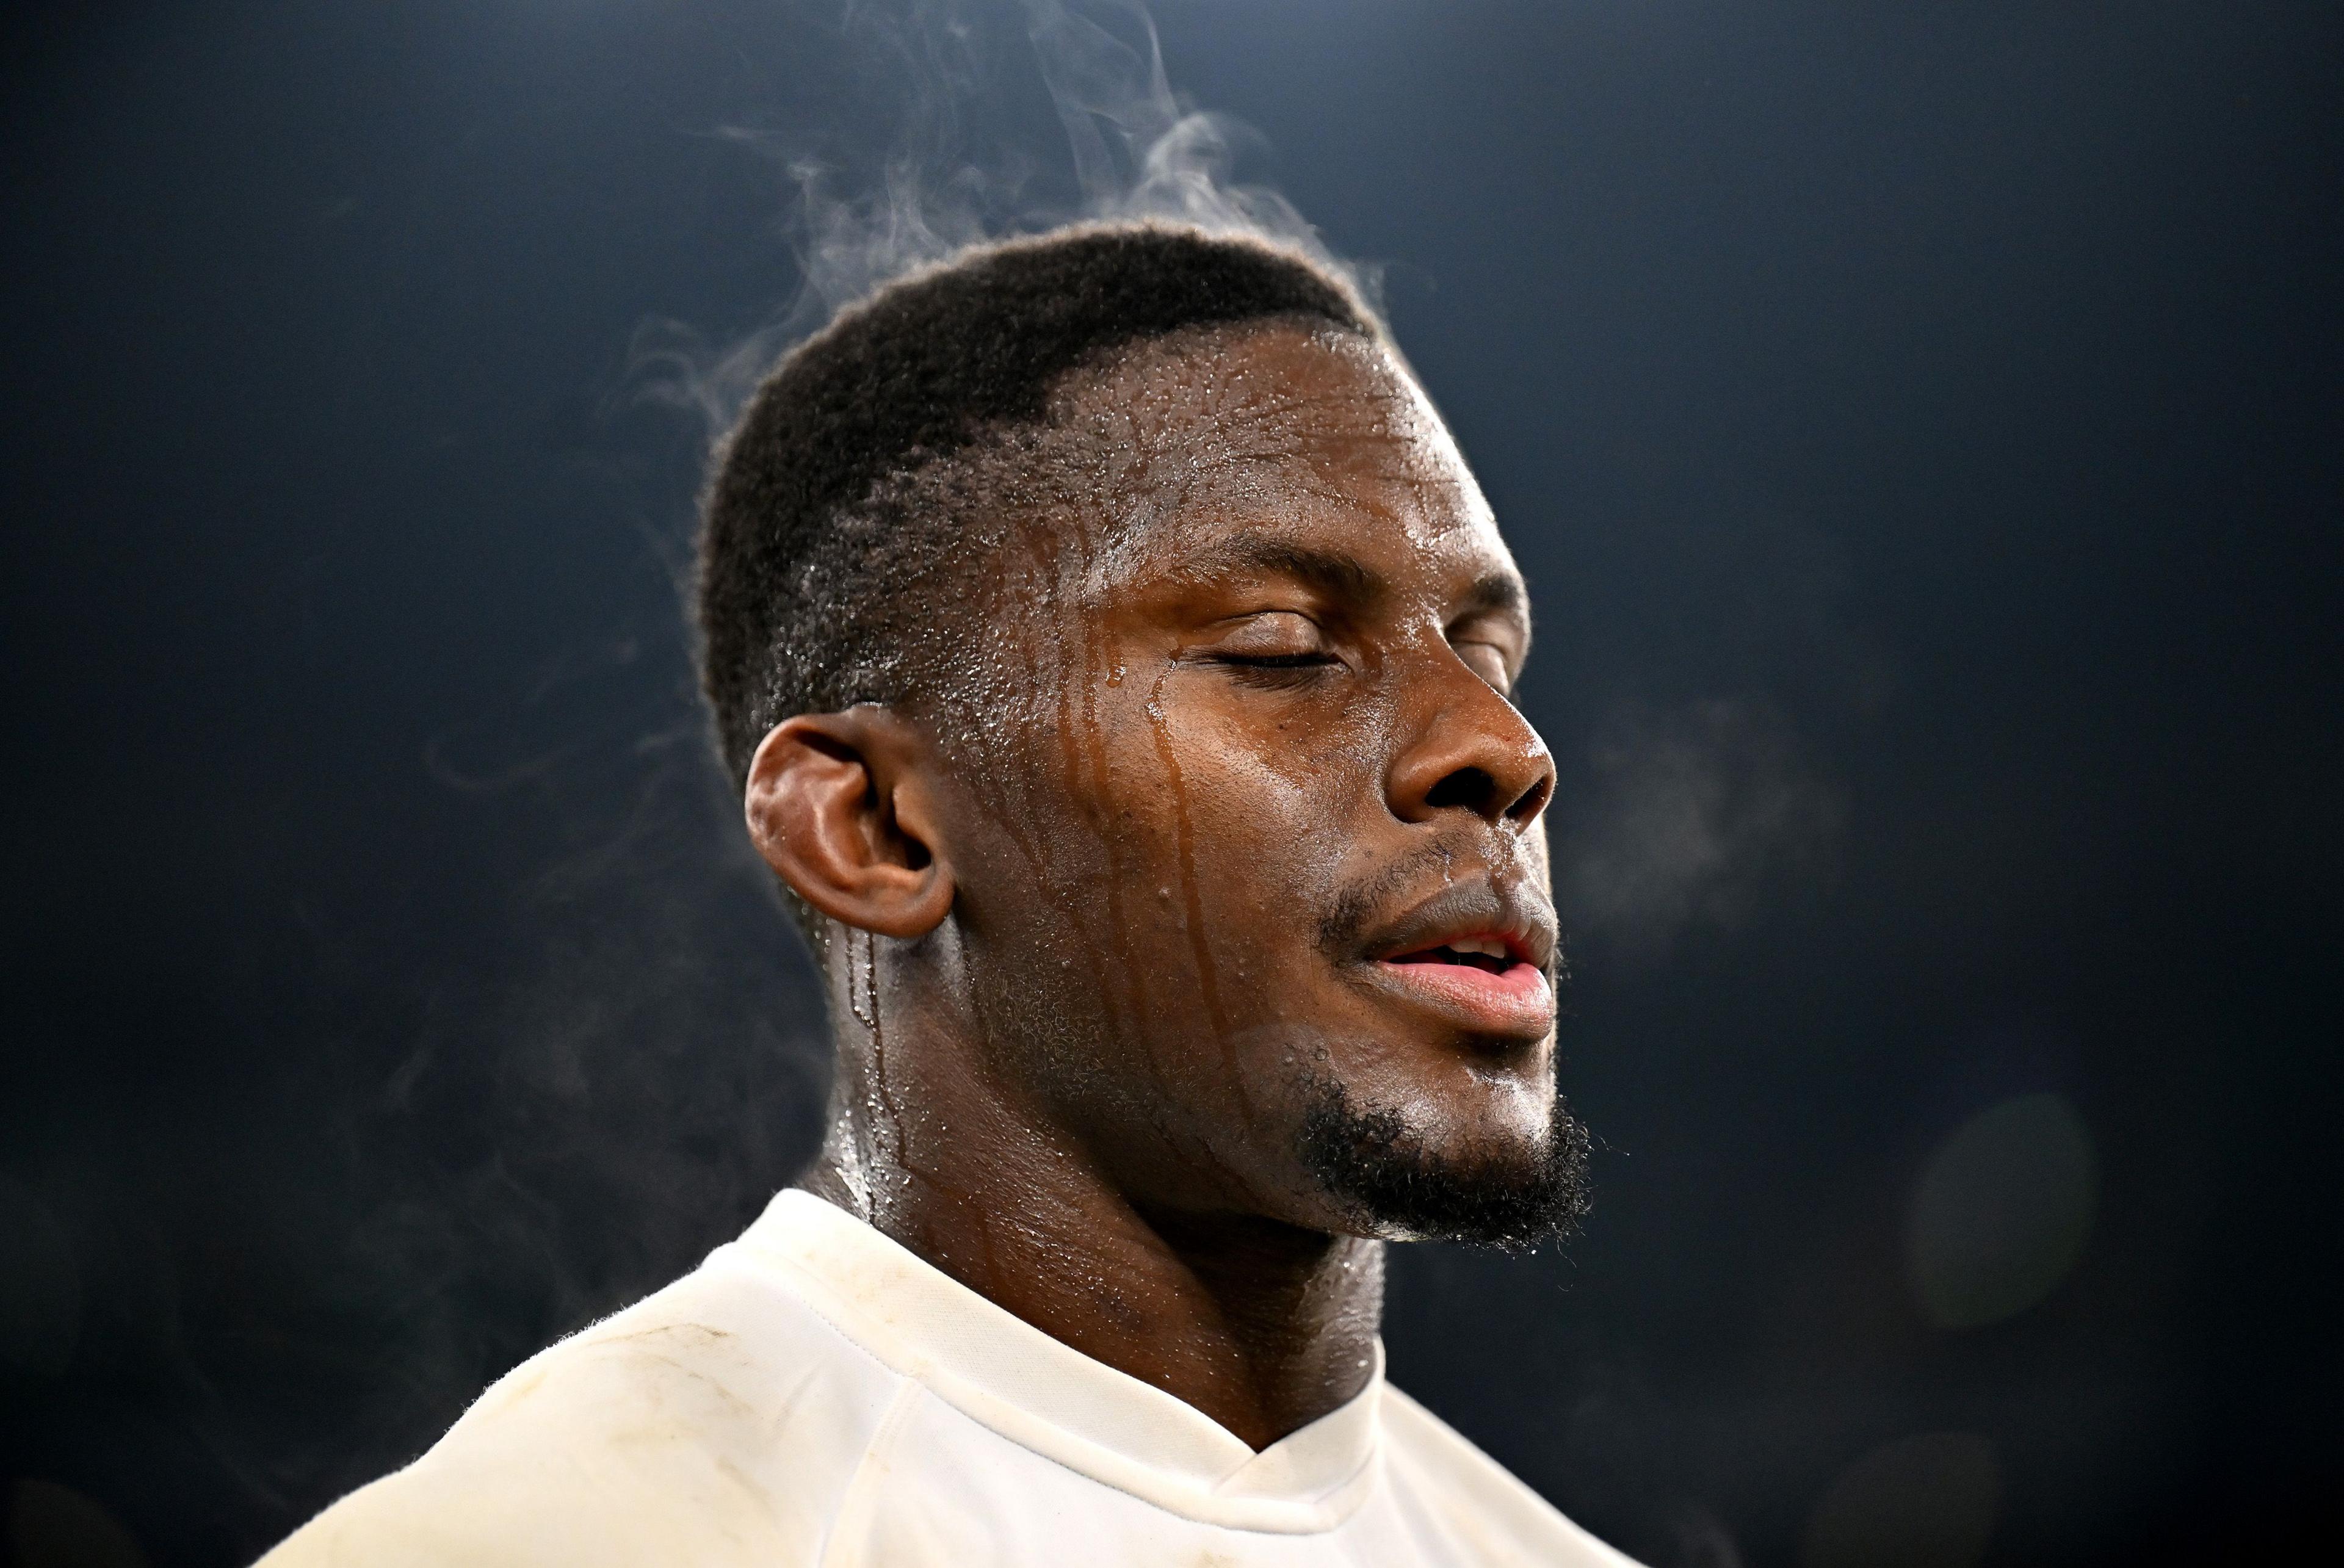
(1473,752)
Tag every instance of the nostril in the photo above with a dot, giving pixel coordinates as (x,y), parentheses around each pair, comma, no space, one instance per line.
(1468,787)
(1532,801)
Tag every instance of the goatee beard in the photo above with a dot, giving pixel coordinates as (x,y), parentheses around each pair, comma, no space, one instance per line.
(1374,1166)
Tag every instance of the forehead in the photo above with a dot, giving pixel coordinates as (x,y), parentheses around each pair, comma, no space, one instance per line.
(1318,433)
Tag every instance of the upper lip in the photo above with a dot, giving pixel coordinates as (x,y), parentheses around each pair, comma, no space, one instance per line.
(1525,923)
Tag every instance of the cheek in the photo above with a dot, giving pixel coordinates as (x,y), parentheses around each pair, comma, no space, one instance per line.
(1266,820)
(1149,826)
(1278,813)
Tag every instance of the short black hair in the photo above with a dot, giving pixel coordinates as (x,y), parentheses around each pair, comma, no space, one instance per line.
(817,563)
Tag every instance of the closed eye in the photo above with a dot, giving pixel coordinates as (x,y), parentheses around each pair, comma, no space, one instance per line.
(1277,649)
(1276,672)
(1488,660)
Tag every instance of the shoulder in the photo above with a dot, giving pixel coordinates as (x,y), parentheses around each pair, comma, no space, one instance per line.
(1479,1499)
(718,1421)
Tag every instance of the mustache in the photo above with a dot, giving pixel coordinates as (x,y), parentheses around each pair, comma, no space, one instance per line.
(1356,907)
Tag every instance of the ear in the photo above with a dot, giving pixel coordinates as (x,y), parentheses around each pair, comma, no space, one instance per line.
(842,806)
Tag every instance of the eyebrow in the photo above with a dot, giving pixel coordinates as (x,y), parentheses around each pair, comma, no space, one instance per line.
(1340,577)
(1345,579)
(1497,592)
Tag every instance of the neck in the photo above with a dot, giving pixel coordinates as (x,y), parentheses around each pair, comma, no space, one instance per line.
(1262,1326)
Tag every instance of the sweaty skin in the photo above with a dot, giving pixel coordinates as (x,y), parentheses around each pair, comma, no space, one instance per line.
(1105,929)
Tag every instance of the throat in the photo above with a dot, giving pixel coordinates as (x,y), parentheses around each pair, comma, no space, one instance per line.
(1280,1323)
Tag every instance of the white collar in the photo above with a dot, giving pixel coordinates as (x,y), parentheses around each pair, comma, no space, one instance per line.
(1052,1399)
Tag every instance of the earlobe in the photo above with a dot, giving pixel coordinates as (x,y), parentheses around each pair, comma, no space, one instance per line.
(840,806)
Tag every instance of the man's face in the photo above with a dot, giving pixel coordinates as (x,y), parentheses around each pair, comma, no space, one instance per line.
(1252,883)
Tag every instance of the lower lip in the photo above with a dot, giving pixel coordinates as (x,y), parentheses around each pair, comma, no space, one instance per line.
(1516,1000)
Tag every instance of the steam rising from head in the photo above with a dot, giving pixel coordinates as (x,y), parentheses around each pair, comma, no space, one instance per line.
(1138,153)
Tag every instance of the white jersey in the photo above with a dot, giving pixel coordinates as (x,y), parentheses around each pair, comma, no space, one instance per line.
(816,1394)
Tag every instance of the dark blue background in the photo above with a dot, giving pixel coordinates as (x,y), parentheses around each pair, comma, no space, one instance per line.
(1920,429)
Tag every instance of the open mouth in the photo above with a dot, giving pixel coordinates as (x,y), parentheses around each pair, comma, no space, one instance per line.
(1484,979)
(1490,956)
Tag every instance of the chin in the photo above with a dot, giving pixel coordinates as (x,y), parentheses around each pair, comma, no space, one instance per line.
(1513,1176)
